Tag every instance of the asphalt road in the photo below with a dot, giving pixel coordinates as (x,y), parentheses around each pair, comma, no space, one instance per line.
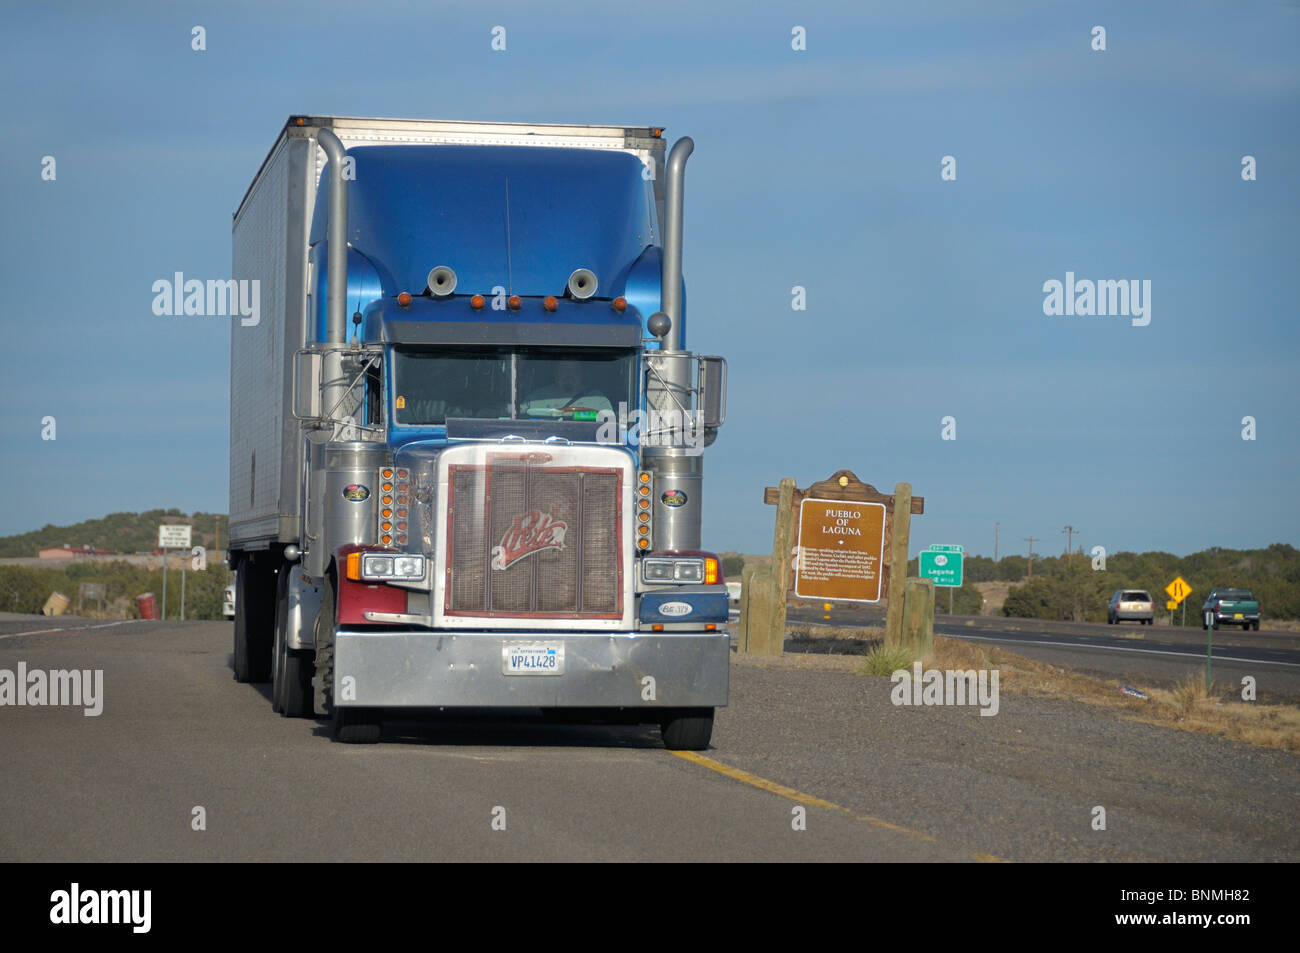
(1141,656)
(876,782)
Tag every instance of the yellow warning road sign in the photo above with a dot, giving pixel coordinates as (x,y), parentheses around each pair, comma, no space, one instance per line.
(1179,589)
(1171,605)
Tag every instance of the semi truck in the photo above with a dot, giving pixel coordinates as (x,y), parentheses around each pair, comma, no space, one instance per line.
(466,433)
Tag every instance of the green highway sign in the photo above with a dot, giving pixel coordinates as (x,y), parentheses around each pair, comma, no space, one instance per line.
(943,566)
(939,548)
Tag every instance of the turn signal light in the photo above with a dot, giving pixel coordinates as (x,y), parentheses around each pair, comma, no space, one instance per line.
(354,566)
(710,571)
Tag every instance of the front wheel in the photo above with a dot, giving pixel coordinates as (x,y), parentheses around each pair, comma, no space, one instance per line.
(687,729)
(349,725)
(355,726)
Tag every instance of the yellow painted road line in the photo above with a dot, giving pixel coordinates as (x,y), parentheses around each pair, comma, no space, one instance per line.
(780,790)
(755,781)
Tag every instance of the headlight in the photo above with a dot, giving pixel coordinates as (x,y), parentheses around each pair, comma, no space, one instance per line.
(665,570)
(381,566)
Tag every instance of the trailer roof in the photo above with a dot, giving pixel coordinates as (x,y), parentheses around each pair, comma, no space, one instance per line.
(377,130)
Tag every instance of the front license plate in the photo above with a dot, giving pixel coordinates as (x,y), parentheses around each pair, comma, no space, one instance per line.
(1238,616)
(534,658)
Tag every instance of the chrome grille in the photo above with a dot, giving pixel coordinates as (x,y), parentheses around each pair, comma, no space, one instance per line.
(528,540)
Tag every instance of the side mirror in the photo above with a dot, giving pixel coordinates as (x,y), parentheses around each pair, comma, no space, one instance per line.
(306,385)
(713,392)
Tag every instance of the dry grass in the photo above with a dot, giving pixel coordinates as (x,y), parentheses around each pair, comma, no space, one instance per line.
(833,633)
(1187,706)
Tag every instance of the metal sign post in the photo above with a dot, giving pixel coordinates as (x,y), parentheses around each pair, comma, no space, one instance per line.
(1179,590)
(1209,645)
(944,565)
(173,536)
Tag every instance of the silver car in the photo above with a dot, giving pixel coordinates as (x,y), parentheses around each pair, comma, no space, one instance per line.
(1130,605)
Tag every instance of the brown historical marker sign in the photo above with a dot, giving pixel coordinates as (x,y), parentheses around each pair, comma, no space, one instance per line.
(841,550)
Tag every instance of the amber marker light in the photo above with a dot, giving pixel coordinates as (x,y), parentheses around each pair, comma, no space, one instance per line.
(404,299)
(620,304)
(515,302)
(476,302)
(643,544)
(354,567)
(710,571)
(550,303)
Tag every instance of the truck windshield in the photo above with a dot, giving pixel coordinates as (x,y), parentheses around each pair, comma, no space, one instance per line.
(431,384)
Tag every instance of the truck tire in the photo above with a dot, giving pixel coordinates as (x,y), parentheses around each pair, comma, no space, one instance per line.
(355,726)
(291,693)
(323,681)
(687,729)
(254,624)
(348,725)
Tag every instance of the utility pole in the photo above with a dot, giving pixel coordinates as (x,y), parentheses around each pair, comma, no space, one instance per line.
(1069,532)
(995,540)
(1031,540)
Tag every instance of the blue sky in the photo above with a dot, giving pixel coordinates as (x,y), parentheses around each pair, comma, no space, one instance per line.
(818,168)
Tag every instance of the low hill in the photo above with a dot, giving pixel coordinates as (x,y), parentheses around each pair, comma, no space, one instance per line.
(120,533)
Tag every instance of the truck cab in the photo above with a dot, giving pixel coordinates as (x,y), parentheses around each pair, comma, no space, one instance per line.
(490,432)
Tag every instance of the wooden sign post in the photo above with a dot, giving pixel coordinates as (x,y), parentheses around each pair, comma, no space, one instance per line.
(836,540)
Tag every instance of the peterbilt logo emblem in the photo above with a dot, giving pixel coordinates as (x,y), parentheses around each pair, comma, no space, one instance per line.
(530,532)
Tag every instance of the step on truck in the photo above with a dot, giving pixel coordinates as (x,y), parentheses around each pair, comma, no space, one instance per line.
(466,435)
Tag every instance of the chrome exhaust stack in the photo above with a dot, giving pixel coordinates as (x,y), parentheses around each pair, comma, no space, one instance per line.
(678,470)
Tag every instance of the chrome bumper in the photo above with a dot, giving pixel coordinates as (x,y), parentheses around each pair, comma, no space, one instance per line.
(464,669)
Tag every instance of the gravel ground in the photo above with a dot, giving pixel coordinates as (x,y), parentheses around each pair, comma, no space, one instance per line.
(1022,784)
